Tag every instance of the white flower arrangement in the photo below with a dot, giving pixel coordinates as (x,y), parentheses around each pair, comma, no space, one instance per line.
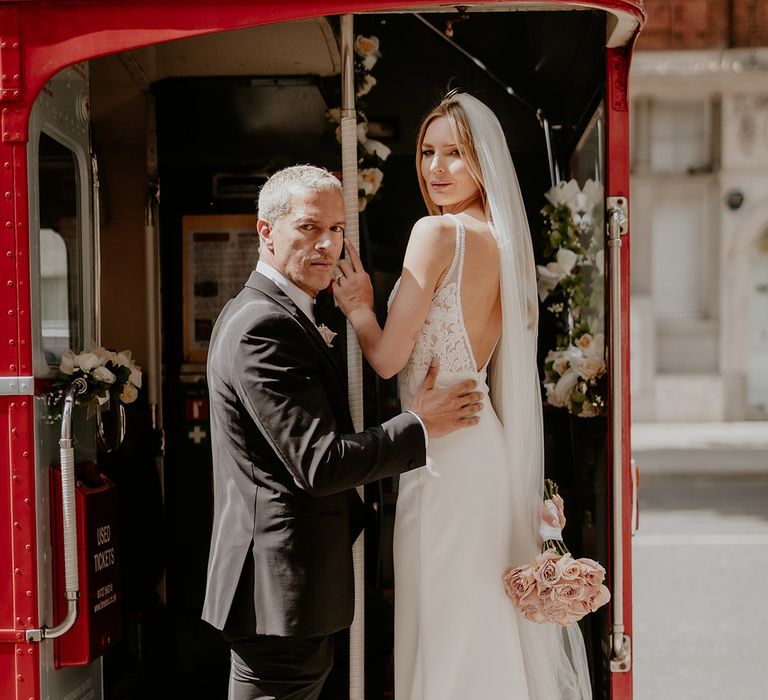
(108,375)
(371,153)
(572,284)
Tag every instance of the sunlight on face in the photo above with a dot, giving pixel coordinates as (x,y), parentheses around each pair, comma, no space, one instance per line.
(449,181)
(305,244)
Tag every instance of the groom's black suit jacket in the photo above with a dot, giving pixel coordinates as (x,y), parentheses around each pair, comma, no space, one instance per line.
(285,457)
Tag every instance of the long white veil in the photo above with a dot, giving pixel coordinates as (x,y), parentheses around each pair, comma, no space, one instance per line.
(555,660)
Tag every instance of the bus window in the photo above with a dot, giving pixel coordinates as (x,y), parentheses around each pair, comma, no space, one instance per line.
(59,247)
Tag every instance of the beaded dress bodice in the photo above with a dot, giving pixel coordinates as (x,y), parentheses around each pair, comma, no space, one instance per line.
(444,334)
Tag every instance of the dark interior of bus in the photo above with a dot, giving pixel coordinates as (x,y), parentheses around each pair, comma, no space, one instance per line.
(219,134)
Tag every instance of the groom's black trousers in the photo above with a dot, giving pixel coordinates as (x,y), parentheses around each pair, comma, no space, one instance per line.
(278,668)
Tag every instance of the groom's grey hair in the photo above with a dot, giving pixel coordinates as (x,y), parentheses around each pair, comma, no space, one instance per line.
(276,193)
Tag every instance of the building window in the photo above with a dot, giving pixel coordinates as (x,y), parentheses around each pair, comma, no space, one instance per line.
(672,137)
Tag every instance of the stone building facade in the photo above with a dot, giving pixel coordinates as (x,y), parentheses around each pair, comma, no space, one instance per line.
(699,212)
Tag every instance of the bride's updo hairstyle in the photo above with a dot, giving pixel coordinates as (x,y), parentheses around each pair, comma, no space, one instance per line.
(452,109)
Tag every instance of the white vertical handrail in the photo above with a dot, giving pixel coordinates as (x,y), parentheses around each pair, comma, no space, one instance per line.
(354,358)
(617,223)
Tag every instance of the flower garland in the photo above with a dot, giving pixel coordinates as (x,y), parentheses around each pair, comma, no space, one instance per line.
(108,375)
(571,284)
(371,154)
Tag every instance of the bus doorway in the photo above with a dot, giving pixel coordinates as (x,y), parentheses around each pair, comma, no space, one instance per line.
(218,126)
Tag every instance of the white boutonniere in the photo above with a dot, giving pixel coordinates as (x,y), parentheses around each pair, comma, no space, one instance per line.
(327,334)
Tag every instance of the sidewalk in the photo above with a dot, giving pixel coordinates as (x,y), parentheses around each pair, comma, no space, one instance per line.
(701,448)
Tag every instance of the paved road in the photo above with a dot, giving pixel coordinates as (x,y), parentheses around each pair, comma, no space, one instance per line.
(701,589)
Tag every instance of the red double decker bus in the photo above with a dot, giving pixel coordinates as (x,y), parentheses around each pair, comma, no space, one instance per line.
(134,138)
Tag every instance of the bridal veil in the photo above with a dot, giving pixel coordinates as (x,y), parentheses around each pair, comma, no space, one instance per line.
(554,656)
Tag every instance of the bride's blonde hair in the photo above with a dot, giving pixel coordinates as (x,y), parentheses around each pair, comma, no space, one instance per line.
(452,110)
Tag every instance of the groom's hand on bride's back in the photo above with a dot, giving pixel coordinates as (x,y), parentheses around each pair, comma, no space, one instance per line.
(444,410)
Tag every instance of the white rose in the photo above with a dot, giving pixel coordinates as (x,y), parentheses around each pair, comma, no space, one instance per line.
(370,61)
(368,83)
(105,355)
(566,259)
(68,364)
(563,192)
(593,194)
(588,367)
(366,45)
(549,276)
(369,180)
(378,148)
(561,392)
(87,361)
(362,132)
(129,393)
(585,341)
(362,202)
(135,377)
(561,364)
(123,359)
(598,345)
(102,374)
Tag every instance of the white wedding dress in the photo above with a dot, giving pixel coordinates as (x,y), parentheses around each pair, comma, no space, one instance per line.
(456,632)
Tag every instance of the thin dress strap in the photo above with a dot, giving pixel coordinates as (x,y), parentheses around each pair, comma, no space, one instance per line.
(457,264)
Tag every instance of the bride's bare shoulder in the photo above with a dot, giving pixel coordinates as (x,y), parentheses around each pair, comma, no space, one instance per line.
(431,226)
(432,242)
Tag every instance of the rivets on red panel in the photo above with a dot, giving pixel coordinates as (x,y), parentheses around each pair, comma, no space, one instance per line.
(29,594)
(13,404)
(9,254)
(17,571)
(12,368)
(15,478)
(10,312)
(28,547)
(15,45)
(29,620)
(23,404)
(7,164)
(11,342)
(10,283)
(16,77)
(19,652)
(8,224)
(18,620)
(7,194)
(19,678)
(25,453)
(16,525)
(23,343)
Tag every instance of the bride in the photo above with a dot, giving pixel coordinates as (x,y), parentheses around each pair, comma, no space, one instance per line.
(467,297)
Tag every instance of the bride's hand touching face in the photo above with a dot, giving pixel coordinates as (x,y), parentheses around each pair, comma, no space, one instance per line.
(352,287)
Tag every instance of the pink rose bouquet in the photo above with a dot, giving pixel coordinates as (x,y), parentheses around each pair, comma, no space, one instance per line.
(555,587)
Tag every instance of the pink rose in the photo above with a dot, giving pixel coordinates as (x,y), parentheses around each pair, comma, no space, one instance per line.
(547,575)
(518,582)
(571,569)
(602,596)
(593,573)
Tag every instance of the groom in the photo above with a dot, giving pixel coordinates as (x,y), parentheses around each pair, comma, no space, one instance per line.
(285,454)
